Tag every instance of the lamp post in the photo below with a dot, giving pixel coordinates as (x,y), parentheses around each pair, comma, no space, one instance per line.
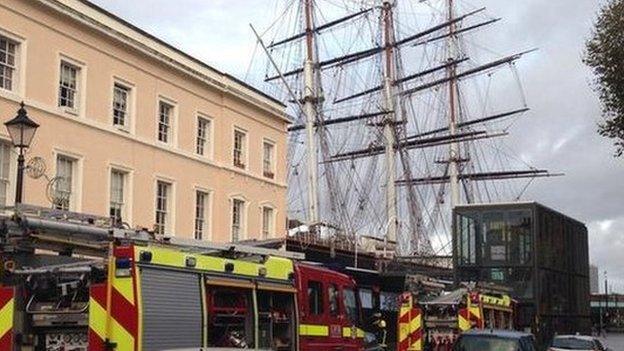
(22,130)
(606,301)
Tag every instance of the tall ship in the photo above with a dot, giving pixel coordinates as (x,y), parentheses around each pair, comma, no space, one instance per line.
(400,112)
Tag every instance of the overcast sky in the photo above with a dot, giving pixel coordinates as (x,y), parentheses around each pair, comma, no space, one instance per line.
(559,133)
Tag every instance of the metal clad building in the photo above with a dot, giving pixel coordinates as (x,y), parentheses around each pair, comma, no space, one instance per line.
(593,279)
(538,252)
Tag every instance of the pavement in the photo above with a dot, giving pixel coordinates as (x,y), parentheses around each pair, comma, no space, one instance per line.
(614,341)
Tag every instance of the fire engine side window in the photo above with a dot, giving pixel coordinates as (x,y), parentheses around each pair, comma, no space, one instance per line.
(315,297)
(332,293)
(351,305)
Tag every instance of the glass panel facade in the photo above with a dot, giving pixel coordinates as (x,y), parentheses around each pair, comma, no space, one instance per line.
(494,238)
(497,244)
(539,253)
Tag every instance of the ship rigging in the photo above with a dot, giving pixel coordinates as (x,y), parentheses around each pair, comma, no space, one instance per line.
(395,122)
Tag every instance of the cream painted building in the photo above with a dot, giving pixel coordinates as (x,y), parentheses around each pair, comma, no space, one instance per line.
(135,129)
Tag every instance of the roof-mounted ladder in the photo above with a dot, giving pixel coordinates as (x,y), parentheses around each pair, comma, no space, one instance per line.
(63,230)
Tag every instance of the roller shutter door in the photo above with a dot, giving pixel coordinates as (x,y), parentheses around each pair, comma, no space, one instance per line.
(172,309)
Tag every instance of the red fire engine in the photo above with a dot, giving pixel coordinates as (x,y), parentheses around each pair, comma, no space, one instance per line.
(120,289)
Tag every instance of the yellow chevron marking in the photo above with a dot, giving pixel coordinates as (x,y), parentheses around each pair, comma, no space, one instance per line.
(6,317)
(475,311)
(464,324)
(124,286)
(415,324)
(119,335)
(97,318)
(403,331)
(416,346)
(97,322)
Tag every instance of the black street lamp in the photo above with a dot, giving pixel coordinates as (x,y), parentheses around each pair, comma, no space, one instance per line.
(22,130)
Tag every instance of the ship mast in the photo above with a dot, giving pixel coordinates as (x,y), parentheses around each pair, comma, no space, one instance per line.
(395,87)
(309,109)
(454,158)
(390,120)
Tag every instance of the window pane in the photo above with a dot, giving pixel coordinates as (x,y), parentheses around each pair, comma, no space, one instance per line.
(267,222)
(117,196)
(68,85)
(468,226)
(7,63)
(5,162)
(63,184)
(351,306)
(203,133)
(200,214)
(315,298)
(332,295)
(495,238)
(120,105)
(237,219)
(162,209)
(164,121)
(267,160)
(366,298)
(239,149)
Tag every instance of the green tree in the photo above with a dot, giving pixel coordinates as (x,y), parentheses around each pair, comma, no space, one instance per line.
(605,55)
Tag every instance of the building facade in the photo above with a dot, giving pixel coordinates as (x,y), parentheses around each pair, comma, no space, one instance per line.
(135,129)
(541,254)
(594,287)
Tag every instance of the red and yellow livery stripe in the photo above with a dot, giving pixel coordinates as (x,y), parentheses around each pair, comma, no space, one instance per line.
(7,306)
(410,336)
(470,316)
(113,310)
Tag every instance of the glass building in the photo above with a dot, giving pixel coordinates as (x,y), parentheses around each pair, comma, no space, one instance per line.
(538,252)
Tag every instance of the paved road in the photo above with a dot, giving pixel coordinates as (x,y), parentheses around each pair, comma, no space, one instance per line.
(615,342)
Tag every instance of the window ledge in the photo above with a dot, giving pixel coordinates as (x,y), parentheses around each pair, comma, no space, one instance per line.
(69,111)
(121,128)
